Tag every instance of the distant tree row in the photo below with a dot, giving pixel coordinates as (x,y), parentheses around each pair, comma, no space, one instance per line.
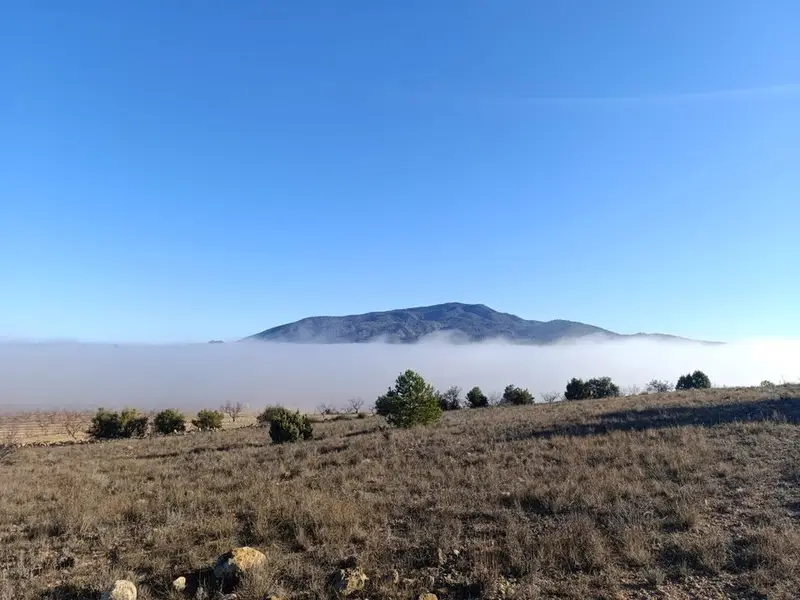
(411,401)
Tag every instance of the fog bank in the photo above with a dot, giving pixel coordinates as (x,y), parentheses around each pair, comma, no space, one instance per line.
(71,375)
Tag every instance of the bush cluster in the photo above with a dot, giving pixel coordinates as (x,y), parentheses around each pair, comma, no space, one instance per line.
(598,387)
(109,425)
(693,381)
(516,396)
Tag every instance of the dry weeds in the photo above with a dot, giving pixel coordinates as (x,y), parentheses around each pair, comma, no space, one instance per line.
(684,495)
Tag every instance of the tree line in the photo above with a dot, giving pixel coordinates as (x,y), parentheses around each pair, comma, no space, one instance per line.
(411,401)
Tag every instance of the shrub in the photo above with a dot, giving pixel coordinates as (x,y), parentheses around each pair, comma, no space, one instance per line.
(287,426)
(109,425)
(516,396)
(208,420)
(767,383)
(577,389)
(694,381)
(450,399)
(603,387)
(659,387)
(133,423)
(105,425)
(169,421)
(268,414)
(598,387)
(412,401)
(476,398)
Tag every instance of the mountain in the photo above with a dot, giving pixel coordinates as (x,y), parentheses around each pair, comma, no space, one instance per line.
(464,322)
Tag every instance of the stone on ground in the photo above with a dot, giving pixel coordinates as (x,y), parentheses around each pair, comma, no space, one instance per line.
(238,562)
(349,581)
(121,590)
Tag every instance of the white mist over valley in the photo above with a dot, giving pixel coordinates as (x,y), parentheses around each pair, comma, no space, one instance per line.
(85,376)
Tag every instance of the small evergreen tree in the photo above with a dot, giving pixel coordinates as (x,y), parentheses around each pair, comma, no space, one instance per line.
(268,414)
(286,426)
(412,401)
(476,398)
(169,421)
(577,389)
(693,381)
(602,387)
(208,420)
(517,396)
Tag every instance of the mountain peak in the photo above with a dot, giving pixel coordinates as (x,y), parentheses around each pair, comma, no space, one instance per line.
(467,322)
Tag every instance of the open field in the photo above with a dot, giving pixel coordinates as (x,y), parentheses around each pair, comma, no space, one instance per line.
(40,427)
(681,495)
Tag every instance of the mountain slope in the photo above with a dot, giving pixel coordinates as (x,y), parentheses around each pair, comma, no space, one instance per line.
(466,322)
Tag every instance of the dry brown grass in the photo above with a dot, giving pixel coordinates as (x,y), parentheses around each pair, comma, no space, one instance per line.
(685,495)
(55,426)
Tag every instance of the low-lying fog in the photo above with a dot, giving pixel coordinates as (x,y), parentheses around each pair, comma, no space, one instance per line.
(61,375)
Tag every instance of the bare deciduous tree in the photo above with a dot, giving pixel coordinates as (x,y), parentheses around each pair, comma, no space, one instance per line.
(42,420)
(551,397)
(355,405)
(326,409)
(72,421)
(632,390)
(9,435)
(659,387)
(232,410)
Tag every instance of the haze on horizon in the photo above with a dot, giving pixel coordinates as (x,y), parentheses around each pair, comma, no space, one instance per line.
(86,376)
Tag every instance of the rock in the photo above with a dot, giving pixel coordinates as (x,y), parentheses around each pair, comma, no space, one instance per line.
(121,590)
(239,561)
(179,584)
(349,581)
(427,596)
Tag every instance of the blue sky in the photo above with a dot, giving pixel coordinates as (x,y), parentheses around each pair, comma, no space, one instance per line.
(177,171)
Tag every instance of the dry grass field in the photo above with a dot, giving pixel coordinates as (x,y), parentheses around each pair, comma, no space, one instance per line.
(681,495)
(54,426)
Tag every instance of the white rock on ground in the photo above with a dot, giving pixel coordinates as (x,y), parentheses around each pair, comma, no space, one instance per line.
(238,562)
(121,590)
(179,584)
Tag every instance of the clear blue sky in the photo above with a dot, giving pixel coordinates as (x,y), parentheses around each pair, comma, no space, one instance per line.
(181,171)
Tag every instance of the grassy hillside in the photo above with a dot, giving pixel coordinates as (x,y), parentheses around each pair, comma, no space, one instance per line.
(683,495)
